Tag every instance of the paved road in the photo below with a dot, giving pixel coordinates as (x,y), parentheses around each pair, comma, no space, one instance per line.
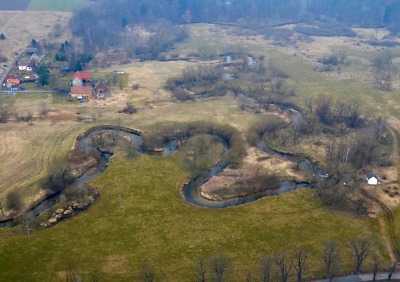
(363,277)
(31,91)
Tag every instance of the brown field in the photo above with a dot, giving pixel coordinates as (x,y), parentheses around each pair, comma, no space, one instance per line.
(20,27)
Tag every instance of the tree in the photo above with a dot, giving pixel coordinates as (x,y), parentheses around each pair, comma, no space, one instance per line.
(34,43)
(43,110)
(300,263)
(2,36)
(57,29)
(146,274)
(384,70)
(14,201)
(4,113)
(284,264)
(219,264)
(265,269)
(44,75)
(392,270)
(201,271)
(330,257)
(375,266)
(360,248)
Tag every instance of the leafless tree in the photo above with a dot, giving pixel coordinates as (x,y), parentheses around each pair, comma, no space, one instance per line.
(284,263)
(300,263)
(201,270)
(392,270)
(146,274)
(375,266)
(248,276)
(384,70)
(330,257)
(265,269)
(360,248)
(43,110)
(219,264)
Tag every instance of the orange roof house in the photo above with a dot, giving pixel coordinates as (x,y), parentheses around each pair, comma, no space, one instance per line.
(81,92)
(13,81)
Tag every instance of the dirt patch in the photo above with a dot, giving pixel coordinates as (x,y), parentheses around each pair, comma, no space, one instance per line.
(256,164)
(115,264)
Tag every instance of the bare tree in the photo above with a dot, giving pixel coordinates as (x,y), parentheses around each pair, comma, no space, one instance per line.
(330,257)
(265,269)
(300,263)
(392,270)
(43,110)
(384,71)
(375,266)
(360,248)
(248,276)
(146,274)
(284,263)
(201,270)
(219,264)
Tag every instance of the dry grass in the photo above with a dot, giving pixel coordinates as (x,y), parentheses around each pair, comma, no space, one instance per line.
(21,26)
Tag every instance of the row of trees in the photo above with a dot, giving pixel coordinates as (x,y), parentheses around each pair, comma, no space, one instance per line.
(357,12)
(284,266)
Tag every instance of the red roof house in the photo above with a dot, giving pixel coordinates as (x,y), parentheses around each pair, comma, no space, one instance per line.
(81,78)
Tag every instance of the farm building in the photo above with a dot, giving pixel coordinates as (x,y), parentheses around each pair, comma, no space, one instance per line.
(101,90)
(81,79)
(81,92)
(371,179)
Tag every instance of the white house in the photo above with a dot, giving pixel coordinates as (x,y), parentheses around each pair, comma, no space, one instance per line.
(371,179)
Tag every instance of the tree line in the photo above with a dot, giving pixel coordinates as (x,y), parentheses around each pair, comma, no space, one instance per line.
(283,266)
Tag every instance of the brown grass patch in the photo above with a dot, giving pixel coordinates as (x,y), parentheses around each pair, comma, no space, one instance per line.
(21,26)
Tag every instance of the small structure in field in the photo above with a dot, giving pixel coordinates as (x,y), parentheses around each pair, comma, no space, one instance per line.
(101,90)
(371,179)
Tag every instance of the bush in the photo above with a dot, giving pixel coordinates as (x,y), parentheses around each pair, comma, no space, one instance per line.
(14,201)
(129,109)
(181,94)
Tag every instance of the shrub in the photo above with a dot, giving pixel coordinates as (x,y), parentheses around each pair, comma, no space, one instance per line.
(14,201)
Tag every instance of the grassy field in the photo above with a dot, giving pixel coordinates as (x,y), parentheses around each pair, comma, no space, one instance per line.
(55,5)
(155,227)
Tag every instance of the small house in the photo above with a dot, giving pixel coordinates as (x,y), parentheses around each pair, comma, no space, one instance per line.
(371,179)
(81,78)
(12,82)
(101,90)
(81,92)
(38,56)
